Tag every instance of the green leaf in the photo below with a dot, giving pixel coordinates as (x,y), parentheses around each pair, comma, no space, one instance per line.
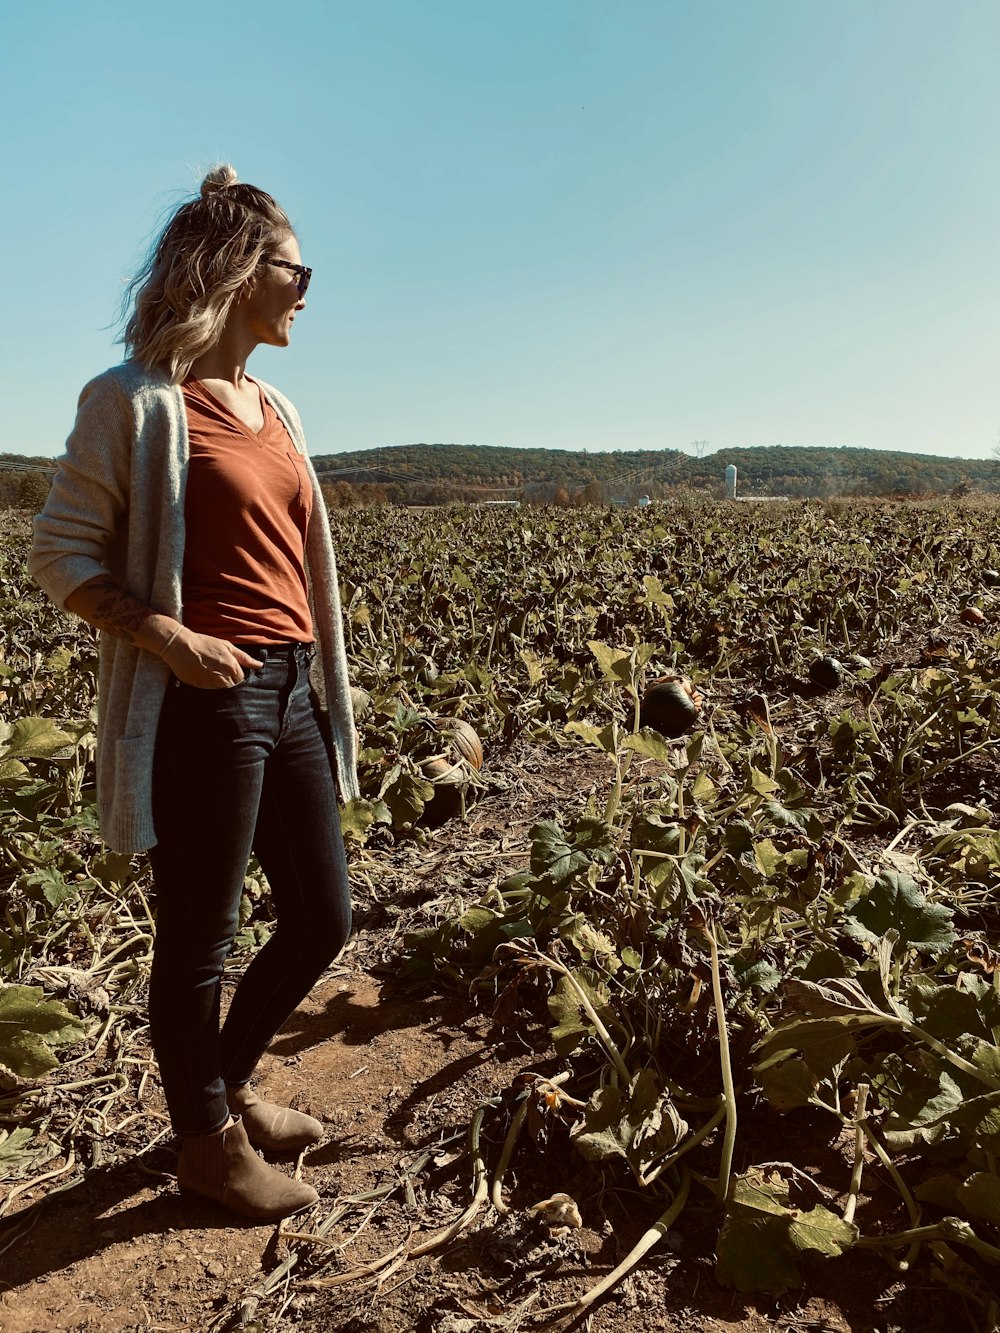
(651,745)
(357,817)
(590,943)
(603,738)
(30,1026)
(823,1042)
(763,1238)
(32,738)
(552,855)
(12,772)
(896,902)
(950,1013)
(572,1023)
(601,1136)
(783,816)
(753,973)
(977,1119)
(16,1156)
(822,1232)
(822,965)
(560,860)
(738,836)
(834,995)
(50,883)
(918,1099)
(535,666)
(59,660)
(942,1191)
(693,883)
(654,833)
(593,834)
(405,796)
(614,663)
(654,592)
(768,857)
(476,919)
(980,1195)
(639,1125)
(253,936)
(986,1057)
(111,868)
(789,1084)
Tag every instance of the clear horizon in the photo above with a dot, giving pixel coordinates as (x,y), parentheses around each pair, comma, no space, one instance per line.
(568,226)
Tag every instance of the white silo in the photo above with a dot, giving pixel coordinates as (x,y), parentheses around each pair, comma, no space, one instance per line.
(731,482)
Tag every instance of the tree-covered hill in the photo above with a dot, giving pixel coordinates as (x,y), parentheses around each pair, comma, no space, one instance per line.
(490,465)
(543,473)
(439,473)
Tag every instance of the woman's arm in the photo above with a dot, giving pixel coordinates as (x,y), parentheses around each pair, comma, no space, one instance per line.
(195,659)
(85,507)
(89,494)
(103,603)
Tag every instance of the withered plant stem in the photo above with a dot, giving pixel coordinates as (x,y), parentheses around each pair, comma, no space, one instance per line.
(726,1066)
(860,1105)
(646,1242)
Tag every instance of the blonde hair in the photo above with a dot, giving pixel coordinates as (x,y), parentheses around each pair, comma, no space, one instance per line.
(201,263)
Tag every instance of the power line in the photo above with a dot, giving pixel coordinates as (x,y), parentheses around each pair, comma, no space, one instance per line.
(28,467)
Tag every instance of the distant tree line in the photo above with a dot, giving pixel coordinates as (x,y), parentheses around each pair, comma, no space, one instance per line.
(434,474)
(24,482)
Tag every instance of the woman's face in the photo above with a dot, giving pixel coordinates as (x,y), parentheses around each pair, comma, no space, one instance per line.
(272,304)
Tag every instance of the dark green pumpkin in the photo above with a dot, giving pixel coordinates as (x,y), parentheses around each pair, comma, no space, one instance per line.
(446,802)
(668,708)
(827,673)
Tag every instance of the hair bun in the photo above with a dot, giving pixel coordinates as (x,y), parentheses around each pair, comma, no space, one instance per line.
(219,178)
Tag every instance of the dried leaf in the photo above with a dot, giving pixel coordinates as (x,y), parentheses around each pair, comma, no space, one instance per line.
(559,1213)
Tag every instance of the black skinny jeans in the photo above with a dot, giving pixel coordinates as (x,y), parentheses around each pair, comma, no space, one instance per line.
(238,770)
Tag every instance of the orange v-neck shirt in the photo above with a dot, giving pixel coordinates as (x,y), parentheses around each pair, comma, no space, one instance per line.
(246,509)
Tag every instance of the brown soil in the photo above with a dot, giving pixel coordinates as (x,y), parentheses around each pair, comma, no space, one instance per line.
(396,1078)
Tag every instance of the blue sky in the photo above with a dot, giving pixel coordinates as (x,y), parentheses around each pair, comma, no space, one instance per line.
(558,223)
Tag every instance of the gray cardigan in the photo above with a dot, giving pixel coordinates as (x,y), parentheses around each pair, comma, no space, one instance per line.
(117,507)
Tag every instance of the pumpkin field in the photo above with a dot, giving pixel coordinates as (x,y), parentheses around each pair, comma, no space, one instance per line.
(740,969)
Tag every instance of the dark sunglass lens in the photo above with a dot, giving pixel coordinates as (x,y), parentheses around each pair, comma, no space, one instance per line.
(303,282)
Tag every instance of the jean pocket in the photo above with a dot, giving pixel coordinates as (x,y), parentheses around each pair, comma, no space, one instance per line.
(198,691)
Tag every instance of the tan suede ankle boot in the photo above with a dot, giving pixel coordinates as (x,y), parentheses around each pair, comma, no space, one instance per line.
(275,1128)
(224,1167)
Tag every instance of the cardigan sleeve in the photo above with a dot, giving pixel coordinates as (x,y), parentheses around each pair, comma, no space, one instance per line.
(89,493)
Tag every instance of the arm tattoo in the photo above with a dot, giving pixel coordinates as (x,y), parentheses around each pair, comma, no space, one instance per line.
(117,611)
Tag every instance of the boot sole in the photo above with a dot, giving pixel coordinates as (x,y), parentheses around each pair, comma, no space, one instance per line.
(189,1192)
(271,1145)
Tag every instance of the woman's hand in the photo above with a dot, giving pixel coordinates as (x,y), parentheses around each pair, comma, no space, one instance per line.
(207,663)
(195,659)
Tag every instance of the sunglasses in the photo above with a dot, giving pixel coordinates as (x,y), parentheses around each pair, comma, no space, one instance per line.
(302,274)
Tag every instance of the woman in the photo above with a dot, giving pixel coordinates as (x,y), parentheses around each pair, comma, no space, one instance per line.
(186,524)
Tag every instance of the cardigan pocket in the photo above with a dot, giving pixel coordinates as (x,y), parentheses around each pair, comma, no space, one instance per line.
(131,816)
